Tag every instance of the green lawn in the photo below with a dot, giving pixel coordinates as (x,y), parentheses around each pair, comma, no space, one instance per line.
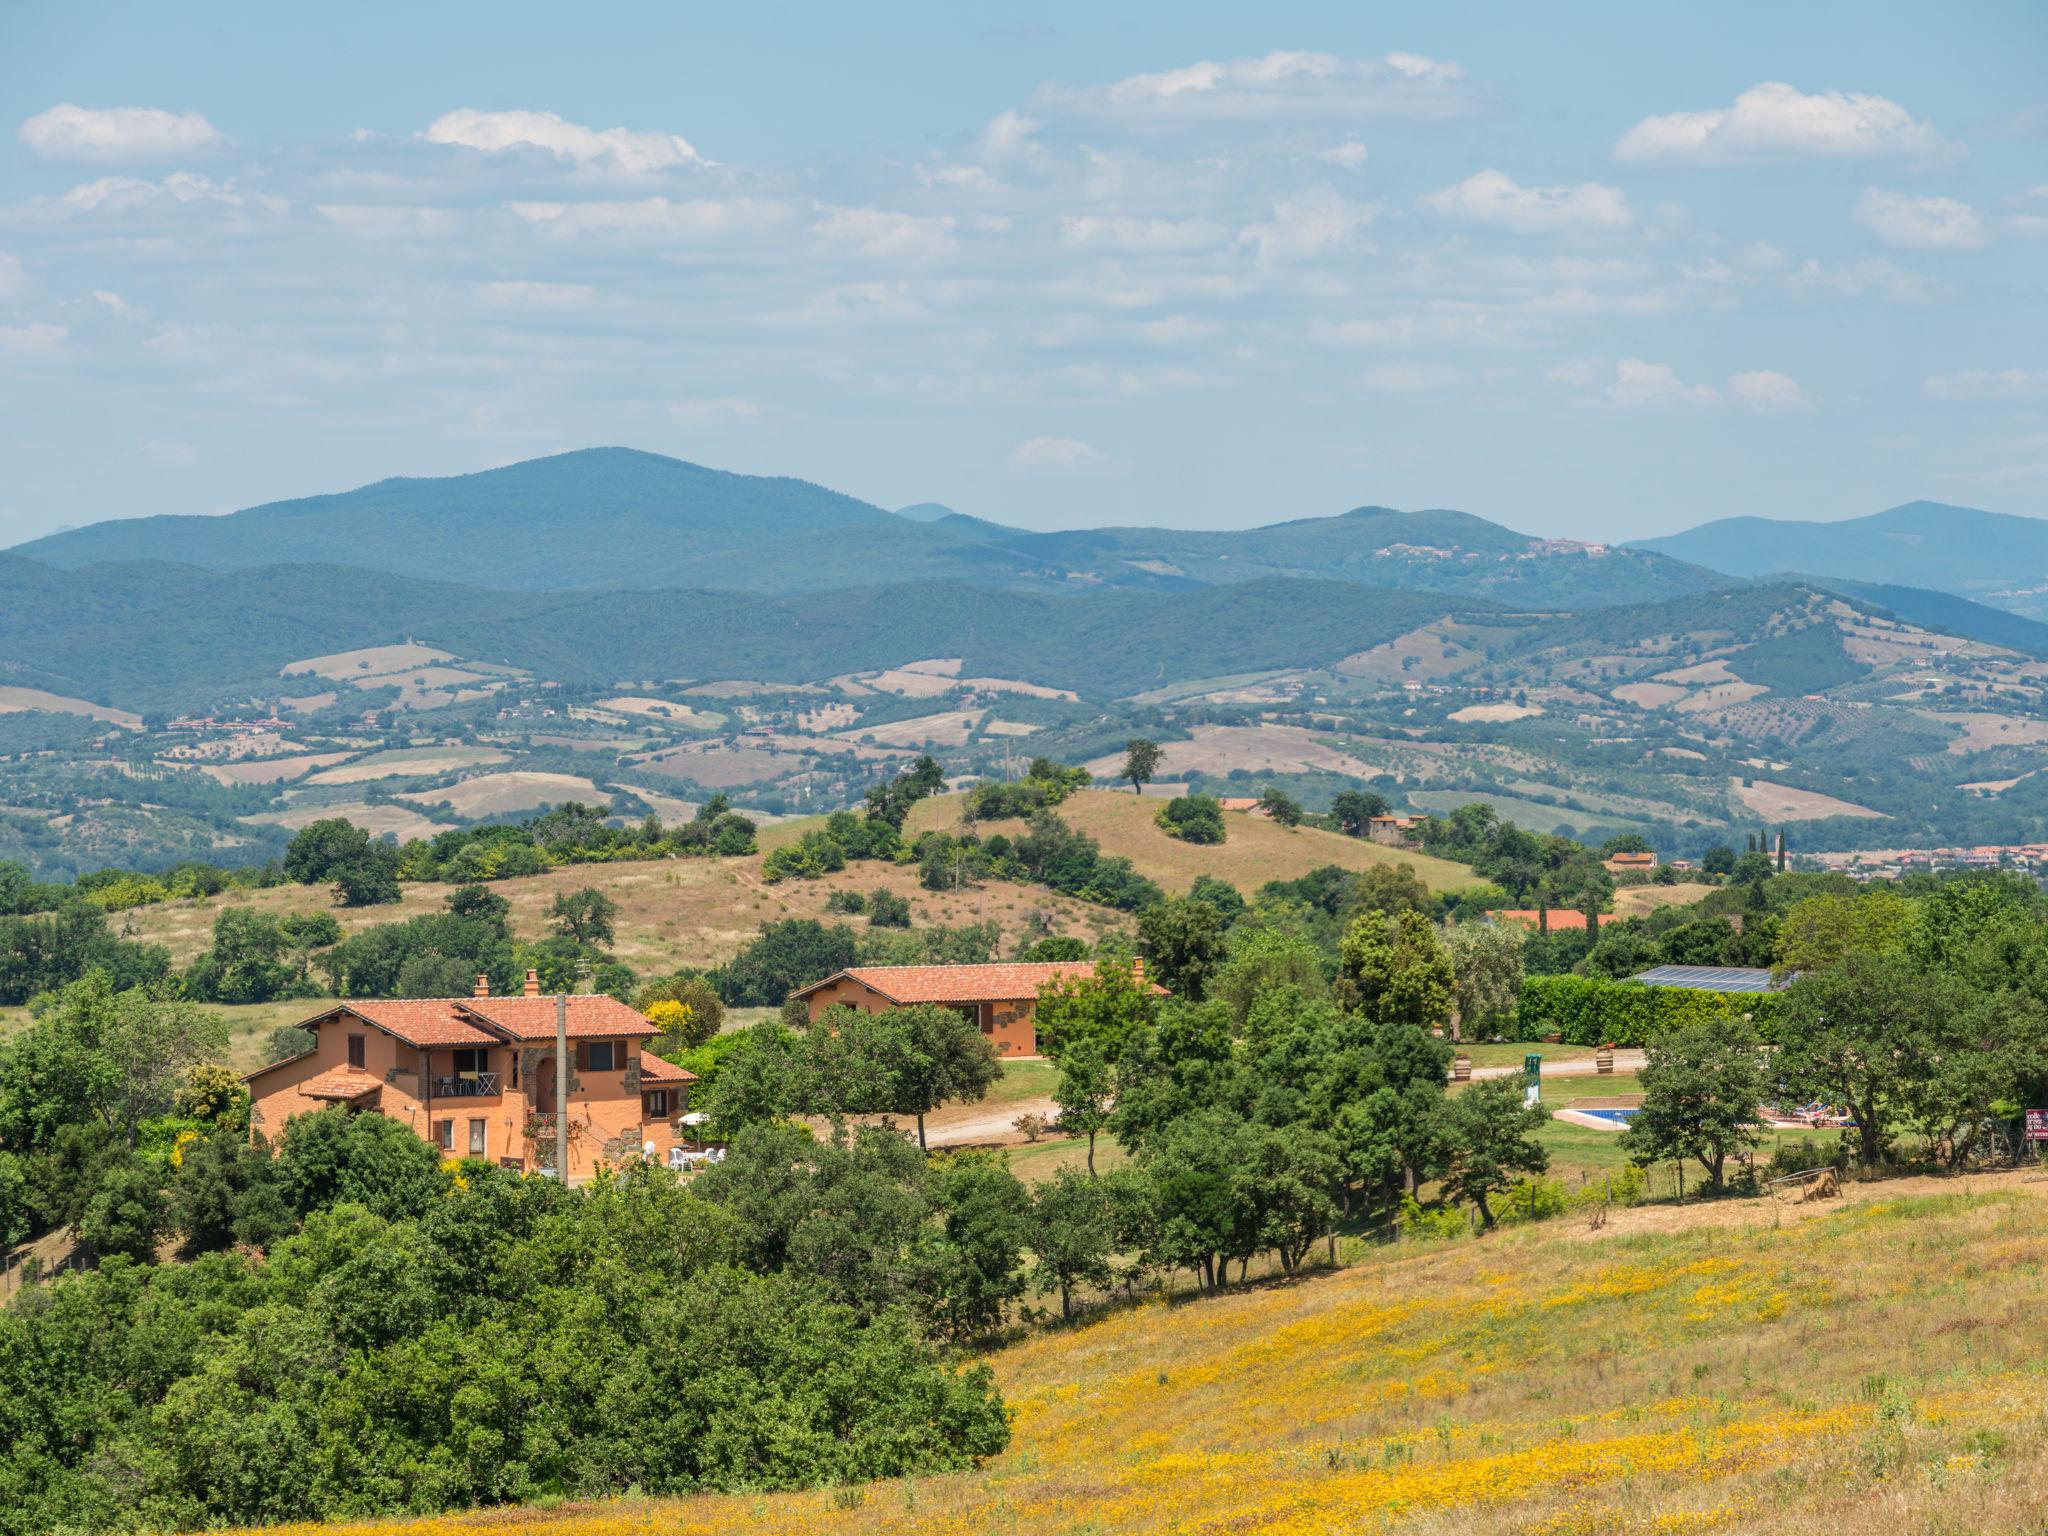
(1035,1162)
(1510,1053)
(1023,1080)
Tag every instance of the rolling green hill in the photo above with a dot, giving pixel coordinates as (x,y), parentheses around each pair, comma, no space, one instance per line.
(1989,556)
(612,517)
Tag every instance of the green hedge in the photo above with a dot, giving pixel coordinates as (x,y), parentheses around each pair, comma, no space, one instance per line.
(1591,1010)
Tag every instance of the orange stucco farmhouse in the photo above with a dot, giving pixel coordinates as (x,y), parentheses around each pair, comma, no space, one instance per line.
(476,1077)
(1001,999)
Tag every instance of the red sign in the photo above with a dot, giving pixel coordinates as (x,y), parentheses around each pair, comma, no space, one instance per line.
(2037,1125)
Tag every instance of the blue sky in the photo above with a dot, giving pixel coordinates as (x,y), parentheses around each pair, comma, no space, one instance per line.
(1598,272)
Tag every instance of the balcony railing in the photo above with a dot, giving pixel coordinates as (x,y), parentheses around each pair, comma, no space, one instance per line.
(470,1085)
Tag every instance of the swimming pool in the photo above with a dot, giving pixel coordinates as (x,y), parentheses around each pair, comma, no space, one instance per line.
(1618,1117)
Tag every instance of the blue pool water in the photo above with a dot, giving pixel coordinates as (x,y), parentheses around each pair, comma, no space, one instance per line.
(1617,1116)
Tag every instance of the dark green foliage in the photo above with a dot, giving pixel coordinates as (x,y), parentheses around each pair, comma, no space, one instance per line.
(887,910)
(1354,809)
(373,1161)
(439,949)
(1221,895)
(1490,1146)
(1045,784)
(587,916)
(1056,947)
(246,963)
(1702,1085)
(1193,818)
(1280,807)
(1594,1010)
(41,953)
(1182,940)
(788,954)
(537,1336)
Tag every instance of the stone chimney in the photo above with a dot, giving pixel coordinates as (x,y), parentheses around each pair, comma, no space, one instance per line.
(483,985)
(1138,971)
(532,982)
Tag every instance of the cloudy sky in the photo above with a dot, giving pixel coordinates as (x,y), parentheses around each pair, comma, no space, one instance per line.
(1591,273)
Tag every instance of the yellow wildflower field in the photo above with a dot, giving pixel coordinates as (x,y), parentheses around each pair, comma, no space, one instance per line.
(1880,1367)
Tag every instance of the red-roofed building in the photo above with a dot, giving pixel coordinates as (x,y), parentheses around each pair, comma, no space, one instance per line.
(476,1076)
(1001,999)
(1561,919)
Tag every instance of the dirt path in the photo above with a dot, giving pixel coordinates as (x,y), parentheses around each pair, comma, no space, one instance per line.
(1624,1061)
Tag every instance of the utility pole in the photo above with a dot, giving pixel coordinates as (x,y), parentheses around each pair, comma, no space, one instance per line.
(562,1088)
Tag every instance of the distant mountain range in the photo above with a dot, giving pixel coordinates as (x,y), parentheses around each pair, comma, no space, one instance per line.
(610,563)
(1987,556)
(610,517)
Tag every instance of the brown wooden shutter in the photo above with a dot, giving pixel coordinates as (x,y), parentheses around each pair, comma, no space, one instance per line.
(582,1056)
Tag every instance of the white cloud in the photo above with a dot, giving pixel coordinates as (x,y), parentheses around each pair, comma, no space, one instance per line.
(1775,121)
(877,234)
(117,135)
(1137,236)
(1492,199)
(132,194)
(36,338)
(1277,85)
(1055,456)
(1410,378)
(1310,223)
(1768,393)
(616,148)
(1634,385)
(1910,223)
(14,278)
(117,306)
(1985,384)
(658,219)
(1873,277)
(1351,154)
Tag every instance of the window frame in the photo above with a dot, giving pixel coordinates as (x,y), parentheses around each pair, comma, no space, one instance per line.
(479,1137)
(358,1050)
(445,1136)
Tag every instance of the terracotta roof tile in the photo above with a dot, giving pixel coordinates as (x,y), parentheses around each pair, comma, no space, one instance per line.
(430,1021)
(653,1069)
(1562,919)
(964,983)
(345,1085)
(533,1018)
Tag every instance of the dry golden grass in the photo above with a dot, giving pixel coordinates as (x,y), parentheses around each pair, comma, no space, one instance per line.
(1637,900)
(1781,802)
(1255,851)
(672,912)
(1220,749)
(497,794)
(1874,1366)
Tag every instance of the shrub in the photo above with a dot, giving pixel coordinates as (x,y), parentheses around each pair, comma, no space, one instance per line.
(1431,1223)
(888,910)
(1193,819)
(846,901)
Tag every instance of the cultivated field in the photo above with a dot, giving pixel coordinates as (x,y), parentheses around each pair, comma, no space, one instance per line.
(1218,749)
(399,821)
(14,700)
(408,762)
(497,794)
(1781,802)
(1256,850)
(1869,1364)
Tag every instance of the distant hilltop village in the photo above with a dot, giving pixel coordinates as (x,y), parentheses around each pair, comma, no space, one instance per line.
(1535,549)
(1889,863)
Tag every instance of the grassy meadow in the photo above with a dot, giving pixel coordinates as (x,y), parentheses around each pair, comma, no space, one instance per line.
(1254,851)
(1871,1363)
